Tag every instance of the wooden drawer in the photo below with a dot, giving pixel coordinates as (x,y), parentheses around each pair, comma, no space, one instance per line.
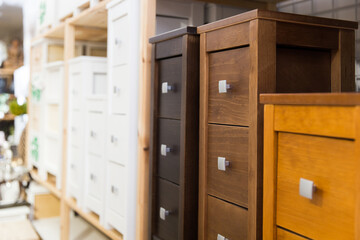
(116,188)
(119,90)
(76,128)
(168,199)
(95,176)
(231,107)
(96,133)
(169,135)
(230,143)
(170,73)
(329,163)
(117,141)
(119,28)
(225,219)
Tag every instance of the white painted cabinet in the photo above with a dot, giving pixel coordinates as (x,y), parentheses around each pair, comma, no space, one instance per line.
(121,138)
(86,132)
(53,126)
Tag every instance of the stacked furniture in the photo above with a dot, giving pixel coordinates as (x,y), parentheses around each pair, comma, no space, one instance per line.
(241,57)
(86,113)
(311,166)
(53,126)
(174,135)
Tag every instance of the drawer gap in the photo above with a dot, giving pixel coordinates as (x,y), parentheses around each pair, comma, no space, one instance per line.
(167,180)
(178,119)
(172,56)
(228,202)
(294,233)
(228,49)
(315,135)
(229,125)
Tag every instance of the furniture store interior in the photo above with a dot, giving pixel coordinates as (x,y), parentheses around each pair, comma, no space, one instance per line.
(179,119)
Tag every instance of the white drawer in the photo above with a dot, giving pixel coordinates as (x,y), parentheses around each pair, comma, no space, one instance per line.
(119,91)
(117,142)
(95,177)
(54,82)
(74,164)
(75,90)
(116,188)
(96,133)
(120,33)
(53,118)
(76,128)
(52,154)
(96,105)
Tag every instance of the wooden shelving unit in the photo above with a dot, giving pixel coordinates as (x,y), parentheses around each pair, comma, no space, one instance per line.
(91,25)
(49,184)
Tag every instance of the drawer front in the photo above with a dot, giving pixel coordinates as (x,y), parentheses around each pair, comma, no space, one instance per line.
(117,141)
(36,56)
(96,133)
(119,91)
(76,128)
(52,156)
(225,219)
(75,90)
(95,176)
(116,188)
(120,42)
(54,80)
(53,118)
(96,105)
(229,183)
(170,75)
(232,106)
(74,164)
(329,163)
(169,137)
(167,199)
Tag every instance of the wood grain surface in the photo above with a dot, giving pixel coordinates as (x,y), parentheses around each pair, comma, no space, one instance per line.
(170,103)
(231,107)
(329,163)
(226,219)
(231,143)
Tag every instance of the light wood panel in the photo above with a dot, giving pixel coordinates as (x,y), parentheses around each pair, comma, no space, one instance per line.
(48,184)
(319,120)
(46,206)
(148,17)
(285,235)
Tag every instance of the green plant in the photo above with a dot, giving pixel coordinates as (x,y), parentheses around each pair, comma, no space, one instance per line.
(17,109)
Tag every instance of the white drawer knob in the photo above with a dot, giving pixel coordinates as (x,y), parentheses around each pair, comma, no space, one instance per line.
(113,139)
(74,92)
(73,129)
(223,86)
(165,87)
(114,190)
(92,177)
(92,134)
(221,237)
(164,213)
(307,188)
(117,42)
(222,163)
(164,149)
(72,166)
(116,90)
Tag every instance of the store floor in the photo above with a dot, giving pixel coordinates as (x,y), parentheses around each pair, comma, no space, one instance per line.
(49,229)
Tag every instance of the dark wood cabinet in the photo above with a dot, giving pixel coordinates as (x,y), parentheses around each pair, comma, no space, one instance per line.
(174,146)
(241,57)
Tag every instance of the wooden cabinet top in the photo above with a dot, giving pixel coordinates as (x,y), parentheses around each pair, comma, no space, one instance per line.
(278,16)
(337,99)
(173,34)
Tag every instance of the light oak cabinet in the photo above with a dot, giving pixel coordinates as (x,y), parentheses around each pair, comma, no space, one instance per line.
(311,166)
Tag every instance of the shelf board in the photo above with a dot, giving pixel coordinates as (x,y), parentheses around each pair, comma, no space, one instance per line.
(49,184)
(95,17)
(7,71)
(8,117)
(93,219)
